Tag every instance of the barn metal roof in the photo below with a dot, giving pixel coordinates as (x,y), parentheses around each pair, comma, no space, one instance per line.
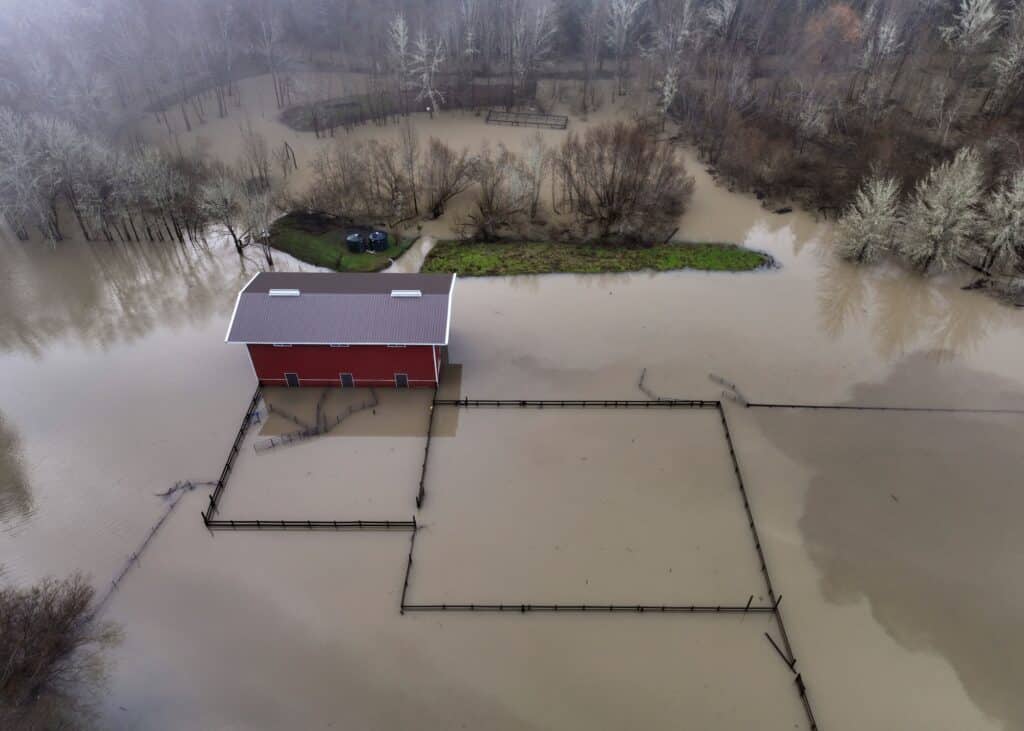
(343,309)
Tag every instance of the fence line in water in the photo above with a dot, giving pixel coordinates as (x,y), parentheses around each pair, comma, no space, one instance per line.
(789,655)
(467,403)
(421,495)
(229,464)
(178,491)
(312,525)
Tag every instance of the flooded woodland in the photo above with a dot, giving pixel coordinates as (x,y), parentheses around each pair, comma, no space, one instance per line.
(893,536)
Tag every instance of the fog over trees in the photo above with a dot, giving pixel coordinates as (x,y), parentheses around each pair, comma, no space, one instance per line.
(870,111)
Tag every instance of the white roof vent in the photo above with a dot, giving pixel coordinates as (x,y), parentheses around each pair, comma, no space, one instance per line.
(284,293)
(406,293)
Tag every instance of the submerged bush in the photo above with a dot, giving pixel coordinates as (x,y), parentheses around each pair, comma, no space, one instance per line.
(51,654)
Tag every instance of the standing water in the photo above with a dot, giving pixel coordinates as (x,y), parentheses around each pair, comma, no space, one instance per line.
(890,534)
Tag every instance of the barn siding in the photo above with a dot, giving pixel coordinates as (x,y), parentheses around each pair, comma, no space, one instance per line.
(322,365)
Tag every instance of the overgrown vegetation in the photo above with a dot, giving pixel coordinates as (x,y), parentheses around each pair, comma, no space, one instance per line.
(319,239)
(473,259)
(51,654)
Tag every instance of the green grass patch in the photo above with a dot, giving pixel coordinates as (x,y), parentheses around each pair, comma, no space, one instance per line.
(471,259)
(322,243)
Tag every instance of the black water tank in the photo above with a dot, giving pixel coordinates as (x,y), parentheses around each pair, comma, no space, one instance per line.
(379,240)
(356,243)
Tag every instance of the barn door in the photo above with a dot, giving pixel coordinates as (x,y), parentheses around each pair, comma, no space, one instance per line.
(401,380)
(347,381)
(292,379)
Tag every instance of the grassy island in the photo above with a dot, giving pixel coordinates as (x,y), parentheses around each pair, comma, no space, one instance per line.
(471,259)
(319,239)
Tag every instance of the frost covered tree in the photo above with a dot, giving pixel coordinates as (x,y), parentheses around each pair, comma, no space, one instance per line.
(623,19)
(719,15)
(400,56)
(943,217)
(974,24)
(867,228)
(1004,213)
(426,59)
(533,34)
(1008,63)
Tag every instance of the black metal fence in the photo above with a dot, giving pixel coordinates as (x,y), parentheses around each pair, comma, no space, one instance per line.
(468,403)
(527,119)
(422,493)
(911,409)
(229,463)
(313,525)
(788,656)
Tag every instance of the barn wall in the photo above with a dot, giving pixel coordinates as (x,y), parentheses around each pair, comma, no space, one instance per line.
(322,365)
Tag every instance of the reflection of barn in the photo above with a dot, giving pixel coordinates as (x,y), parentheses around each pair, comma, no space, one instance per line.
(312,329)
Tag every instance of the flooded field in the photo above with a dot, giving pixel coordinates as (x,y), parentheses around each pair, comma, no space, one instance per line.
(891,535)
(598,506)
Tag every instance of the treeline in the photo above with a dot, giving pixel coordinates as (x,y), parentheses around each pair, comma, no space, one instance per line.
(616,181)
(49,166)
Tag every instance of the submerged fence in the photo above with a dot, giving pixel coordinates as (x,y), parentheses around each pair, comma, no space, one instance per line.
(789,657)
(468,403)
(229,464)
(527,119)
(422,493)
(312,525)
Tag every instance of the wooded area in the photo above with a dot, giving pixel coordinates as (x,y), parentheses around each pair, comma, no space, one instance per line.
(889,106)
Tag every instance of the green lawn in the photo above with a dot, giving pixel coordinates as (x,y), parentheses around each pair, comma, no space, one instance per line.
(471,259)
(326,248)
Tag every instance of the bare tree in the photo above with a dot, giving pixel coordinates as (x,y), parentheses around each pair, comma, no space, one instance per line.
(222,200)
(444,174)
(534,166)
(409,143)
(533,31)
(594,28)
(623,18)
(53,653)
(255,157)
(621,181)
(503,195)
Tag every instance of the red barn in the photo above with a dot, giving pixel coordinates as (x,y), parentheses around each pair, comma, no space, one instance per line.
(312,329)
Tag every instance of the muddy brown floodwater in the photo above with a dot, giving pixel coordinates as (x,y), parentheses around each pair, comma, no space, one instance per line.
(892,536)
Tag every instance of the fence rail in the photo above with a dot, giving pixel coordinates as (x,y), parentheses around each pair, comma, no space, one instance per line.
(911,409)
(577,403)
(229,463)
(788,656)
(422,493)
(312,525)
(527,119)
(593,608)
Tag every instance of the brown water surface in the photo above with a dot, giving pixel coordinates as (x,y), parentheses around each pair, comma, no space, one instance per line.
(892,536)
